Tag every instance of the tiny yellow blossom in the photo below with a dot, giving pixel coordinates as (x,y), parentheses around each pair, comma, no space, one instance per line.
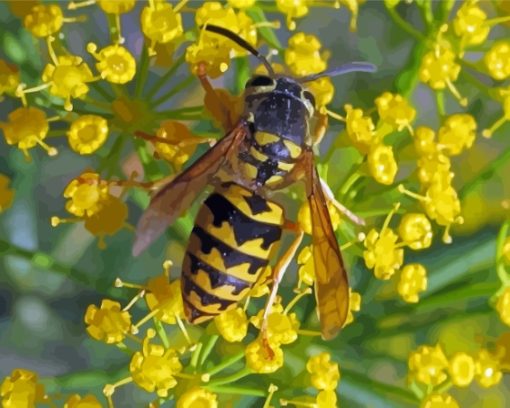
(415,230)
(443,203)
(326,399)
(354,306)
(439,401)
(214,54)
(232,324)
(197,397)
(382,253)
(324,374)
(413,281)
(261,359)
(303,56)
(281,327)
(424,141)
(153,368)
(462,369)
(428,364)
(116,64)
(360,129)
(166,298)
(108,323)
(293,9)
(87,193)
(469,24)
(76,401)
(160,23)
(68,78)
(87,134)
(305,219)
(44,20)
(434,167)
(395,110)
(116,6)
(497,60)
(108,220)
(9,78)
(438,68)
(488,370)
(306,270)
(382,165)
(6,194)
(27,127)
(21,390)
(241,4)
(503,306)
(457,133)
(323,91)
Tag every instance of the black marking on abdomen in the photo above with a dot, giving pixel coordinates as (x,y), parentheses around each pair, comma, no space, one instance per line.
(195,313)
(257,204)
(205,297)
(231,257)
(216,277)
(244,228)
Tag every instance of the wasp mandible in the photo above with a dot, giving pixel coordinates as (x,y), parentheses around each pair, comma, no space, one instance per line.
(238,227)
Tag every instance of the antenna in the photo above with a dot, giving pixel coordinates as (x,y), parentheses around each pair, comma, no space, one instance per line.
(342,69)
(241,42)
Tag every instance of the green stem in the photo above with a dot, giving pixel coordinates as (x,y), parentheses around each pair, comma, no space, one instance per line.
(161,332)
(440,104)
(231,378)
(196,354)
(428,16)
(231,389)
(404,25)
(181,111)
(150,167)
(101,91)
(226,363)
(143,71)
(211,342)
(164,78)
(503,275)
(175,90)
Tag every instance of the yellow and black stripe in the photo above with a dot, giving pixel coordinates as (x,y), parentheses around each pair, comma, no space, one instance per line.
(236,231)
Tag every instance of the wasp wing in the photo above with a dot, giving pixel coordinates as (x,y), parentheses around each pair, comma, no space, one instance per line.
(331,286)
(176,196)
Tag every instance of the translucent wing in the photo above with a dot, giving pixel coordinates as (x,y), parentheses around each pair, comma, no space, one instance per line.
(176,196)
(332,287)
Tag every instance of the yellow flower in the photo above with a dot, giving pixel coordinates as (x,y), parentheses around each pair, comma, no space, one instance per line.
(439,69)
(382,165)
(413,280)
(326,399)
(87,194)
(109,323)
(68,78)
(281,327)
(395,110)
(116,6)
(306,270)
(424,141)
(415,230)
(305,219)
(293,9)
(323,90)
(457,133)
(232,324)
(503,306)
(354,306)
(262,360)
(153,368)
(44,20)
(382,253)
(6,194)
(87,134)
(182,143)
(428,364)
(303,56)
(443,204)
(214,54)
(241,4)
(462,369)
(108,220)
(433,167)
(76,401)
(497,60)
(469,24)
(166,298)
(9,78)
(324,374)
(197,397)
(439,401)
(360,129)
(116,64)
(21,390)
(160,23)
(488,371)
(27,127)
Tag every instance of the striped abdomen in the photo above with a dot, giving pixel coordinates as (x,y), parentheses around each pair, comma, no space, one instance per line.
(233,238)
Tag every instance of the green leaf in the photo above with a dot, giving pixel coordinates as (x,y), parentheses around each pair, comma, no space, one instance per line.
(13,48)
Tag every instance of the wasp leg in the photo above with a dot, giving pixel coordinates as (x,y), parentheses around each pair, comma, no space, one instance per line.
(186,142)
(340,207)
(146,185)
(225,119)
(321,126)
(278,272)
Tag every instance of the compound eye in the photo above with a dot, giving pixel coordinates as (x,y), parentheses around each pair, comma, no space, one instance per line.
(260,80)
(308,95)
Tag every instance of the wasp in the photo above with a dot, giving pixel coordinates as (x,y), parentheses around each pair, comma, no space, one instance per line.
(238,227)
